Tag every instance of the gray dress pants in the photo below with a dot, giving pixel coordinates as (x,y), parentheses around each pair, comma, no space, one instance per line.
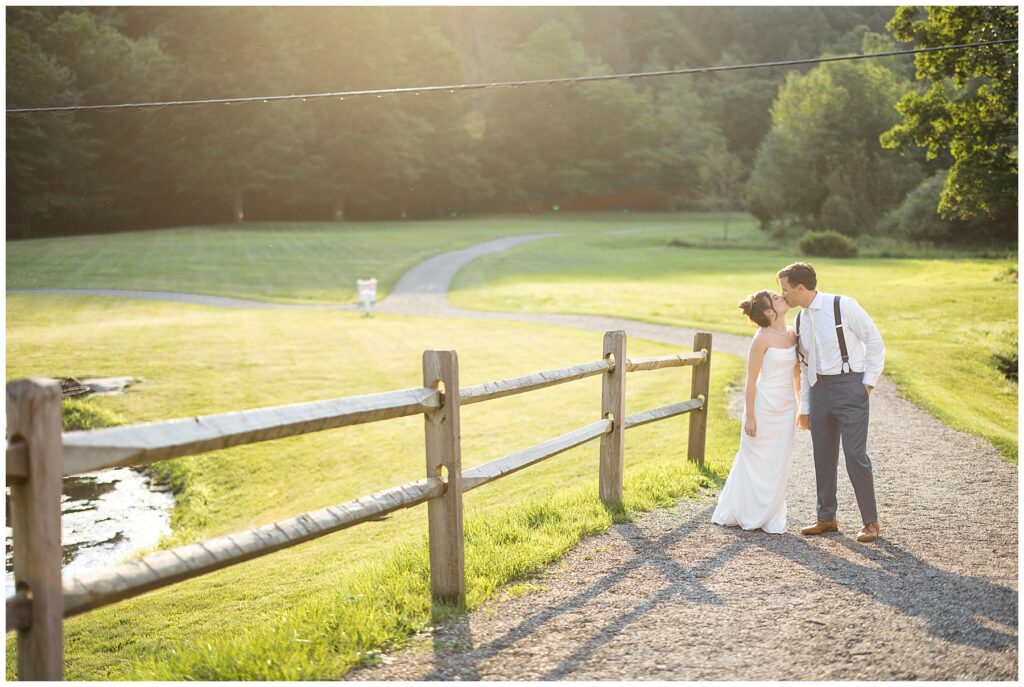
(839,410)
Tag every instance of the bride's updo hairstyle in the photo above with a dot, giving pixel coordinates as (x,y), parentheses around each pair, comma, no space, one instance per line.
(755,305)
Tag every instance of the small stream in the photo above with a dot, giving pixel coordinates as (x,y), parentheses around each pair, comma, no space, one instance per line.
(106,516)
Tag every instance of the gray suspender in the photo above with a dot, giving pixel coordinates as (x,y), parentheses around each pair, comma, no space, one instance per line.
(800,357)
(839,333)
(842,338)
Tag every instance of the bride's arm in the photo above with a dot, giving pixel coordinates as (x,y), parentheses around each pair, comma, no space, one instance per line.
(754,359)
(796,383)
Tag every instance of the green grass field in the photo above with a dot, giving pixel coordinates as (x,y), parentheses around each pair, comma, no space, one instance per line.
(280,262)
(942,320)
(314,611)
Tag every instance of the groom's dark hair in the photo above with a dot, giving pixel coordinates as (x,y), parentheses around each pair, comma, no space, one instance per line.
(799,273)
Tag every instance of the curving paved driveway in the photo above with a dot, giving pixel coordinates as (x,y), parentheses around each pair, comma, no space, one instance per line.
(434,276)
(673,597)
(423,291)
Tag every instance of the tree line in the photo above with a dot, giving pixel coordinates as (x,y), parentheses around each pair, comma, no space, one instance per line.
(923,151)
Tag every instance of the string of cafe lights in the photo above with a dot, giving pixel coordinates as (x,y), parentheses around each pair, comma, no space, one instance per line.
(380,93)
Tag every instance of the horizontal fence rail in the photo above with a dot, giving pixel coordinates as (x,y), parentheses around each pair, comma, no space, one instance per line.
(99,449)
(488,472)
(680,360)
(87,592)
(540,380)
(39,454)
(655,414)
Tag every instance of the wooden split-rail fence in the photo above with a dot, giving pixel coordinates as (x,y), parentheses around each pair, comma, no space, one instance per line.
(40,455)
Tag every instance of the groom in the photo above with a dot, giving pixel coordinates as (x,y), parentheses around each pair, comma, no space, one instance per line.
(842,355)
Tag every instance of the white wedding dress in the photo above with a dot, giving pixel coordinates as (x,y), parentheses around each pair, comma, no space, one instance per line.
(754,495)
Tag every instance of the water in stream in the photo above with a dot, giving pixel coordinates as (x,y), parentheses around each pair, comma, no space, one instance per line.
(106,516)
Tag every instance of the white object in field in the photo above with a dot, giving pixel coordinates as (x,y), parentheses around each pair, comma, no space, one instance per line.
(367,289)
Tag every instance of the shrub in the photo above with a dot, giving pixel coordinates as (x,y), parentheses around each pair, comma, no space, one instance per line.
(917,217)
(829,244)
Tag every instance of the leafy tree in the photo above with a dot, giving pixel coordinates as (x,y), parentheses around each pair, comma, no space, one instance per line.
(366,150)
(970,107)
(916,218)
(229,154)
(581,140)
(781,186)
(48,156)
(721,176)
(447,173)
(686,134)
(417,155)
(110,67)
(829,167)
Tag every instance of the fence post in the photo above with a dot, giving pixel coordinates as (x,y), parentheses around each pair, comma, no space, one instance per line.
(442,430)
(699,386)
(34,417)
(613,403)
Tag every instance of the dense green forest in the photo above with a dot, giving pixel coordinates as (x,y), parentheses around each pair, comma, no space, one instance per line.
(859,147)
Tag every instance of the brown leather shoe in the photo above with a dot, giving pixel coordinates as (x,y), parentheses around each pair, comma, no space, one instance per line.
(868,533)
(821,526)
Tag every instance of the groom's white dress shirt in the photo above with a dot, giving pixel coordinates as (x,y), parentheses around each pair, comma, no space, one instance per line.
(863,342)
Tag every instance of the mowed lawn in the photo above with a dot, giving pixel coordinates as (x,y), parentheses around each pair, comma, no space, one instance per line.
(314,611)
(943,320)
(279,262)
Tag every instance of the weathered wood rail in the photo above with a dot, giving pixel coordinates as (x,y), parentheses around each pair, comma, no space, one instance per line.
(40,454)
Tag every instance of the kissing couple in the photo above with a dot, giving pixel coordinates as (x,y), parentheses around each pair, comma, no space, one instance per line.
(827,366)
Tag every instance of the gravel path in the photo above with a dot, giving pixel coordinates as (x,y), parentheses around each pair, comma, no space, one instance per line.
(673,597)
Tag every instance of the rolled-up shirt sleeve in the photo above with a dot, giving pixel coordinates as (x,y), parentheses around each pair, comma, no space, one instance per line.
(874,348)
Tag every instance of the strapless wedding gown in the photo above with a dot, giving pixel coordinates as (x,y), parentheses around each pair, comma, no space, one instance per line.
(754,495)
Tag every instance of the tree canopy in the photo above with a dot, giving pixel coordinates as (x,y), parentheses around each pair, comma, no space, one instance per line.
(807,140)
(821,162)
(968,109)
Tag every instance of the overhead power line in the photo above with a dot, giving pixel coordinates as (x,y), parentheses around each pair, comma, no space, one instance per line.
(503,84)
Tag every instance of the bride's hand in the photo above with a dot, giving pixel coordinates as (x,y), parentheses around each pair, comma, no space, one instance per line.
(750,426)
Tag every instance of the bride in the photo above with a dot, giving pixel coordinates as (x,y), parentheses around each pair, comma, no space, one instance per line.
(754,495)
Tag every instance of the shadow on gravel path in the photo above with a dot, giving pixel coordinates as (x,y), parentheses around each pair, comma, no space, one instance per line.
(955,608)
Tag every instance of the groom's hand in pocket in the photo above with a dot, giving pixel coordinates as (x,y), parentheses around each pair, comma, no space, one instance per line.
(803,421)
